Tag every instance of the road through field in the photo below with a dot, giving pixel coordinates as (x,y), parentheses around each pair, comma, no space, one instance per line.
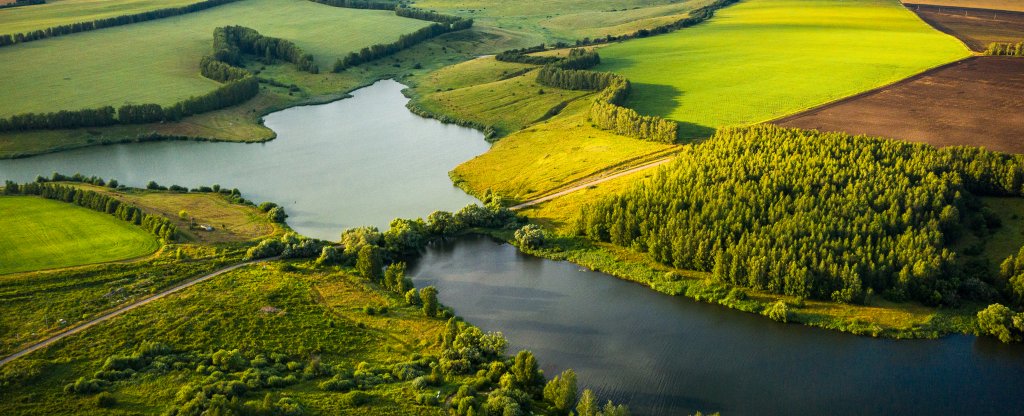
(112,314)
(588,184)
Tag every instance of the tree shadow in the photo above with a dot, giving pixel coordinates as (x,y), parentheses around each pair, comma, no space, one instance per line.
(661,100)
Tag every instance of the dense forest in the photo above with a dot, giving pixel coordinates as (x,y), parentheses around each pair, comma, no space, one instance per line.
(816,215)
(11,39)
(156,224)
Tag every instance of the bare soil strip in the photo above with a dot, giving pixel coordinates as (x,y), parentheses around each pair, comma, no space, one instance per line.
(588,184)
(977,28)
(974,102)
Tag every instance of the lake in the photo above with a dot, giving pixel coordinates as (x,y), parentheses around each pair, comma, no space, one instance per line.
(667,355)
(360,161)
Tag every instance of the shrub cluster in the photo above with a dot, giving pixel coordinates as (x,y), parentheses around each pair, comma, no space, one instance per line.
(11,39)
(1005,49)
(817,215)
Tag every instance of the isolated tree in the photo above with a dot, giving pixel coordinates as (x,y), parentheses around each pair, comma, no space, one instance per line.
(428,296)
(560,392)
(368,262)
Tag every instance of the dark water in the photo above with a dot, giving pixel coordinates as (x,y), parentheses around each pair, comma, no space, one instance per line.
(665,355)
(360,161)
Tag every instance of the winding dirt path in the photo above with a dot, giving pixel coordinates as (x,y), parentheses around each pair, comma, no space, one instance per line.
(585,185)
(114,313)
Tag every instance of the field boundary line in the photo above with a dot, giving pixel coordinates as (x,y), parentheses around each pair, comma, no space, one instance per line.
(114,313)
(588,184)
(870,92)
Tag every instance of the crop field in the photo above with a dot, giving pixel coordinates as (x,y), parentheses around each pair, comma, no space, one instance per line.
(551,155)
(762,59)
(981,106)
(43,234)
(976,28)
(305,318)
(538,21)
(63,12)
(1014,5)
(158,61)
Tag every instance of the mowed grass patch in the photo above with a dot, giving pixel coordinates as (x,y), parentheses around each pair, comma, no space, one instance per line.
(762,59)
(552,155)
(538,21)
(44,234)
(64,12)
(232,222)
(158,61)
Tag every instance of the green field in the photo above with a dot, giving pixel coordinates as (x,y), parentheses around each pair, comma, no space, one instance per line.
(43,234)
(539,21)
(158,61)
(762,59)
(63,12)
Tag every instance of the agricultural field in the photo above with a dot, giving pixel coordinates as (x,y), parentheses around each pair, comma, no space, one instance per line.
(536,21)
(63,12)
(42,234)
(976,28)
(1013,5)
(980,107)
(161,60)
(762,59)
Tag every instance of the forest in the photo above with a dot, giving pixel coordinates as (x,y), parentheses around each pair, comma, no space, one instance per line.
(817,215)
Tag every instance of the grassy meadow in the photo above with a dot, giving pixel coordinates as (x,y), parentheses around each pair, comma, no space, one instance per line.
(762,59)
(536,21)
(158,61)
(287,314)
(43,234)
(63,12)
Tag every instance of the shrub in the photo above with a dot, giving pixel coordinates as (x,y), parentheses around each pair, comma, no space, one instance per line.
(777,311)
(530,236)
(355,399)
(105,399)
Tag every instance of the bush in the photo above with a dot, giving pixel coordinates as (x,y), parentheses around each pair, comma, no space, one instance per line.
(355,399)
(530,236)
(105,399)
(777,311)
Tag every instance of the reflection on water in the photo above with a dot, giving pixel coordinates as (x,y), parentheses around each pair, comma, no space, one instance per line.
(359,161)
(667,355)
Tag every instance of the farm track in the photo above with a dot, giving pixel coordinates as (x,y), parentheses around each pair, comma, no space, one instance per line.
(113,314)
(588,184)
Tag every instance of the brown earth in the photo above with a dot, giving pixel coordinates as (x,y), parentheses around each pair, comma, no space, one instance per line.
(1016,5)
(974,102)
(975,27)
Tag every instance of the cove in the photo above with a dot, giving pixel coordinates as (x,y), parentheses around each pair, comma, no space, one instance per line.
(364,160)
(665,355)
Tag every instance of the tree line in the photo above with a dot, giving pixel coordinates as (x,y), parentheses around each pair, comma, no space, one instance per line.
(445,24)
(11,39)
(606,112)
(1005,49)
(19,3)
(695,17)
(230,42)
(360,4)
(817,215)
(156,224)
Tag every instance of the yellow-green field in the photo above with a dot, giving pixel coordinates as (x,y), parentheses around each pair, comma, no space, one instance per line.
(63,12)
(158,61)
(44,234)
(539,21)
(762,59)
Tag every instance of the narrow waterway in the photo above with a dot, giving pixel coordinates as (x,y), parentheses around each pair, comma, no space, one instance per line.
(360,161)
(667,355)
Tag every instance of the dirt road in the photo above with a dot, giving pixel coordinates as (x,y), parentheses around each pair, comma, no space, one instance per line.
(585,185)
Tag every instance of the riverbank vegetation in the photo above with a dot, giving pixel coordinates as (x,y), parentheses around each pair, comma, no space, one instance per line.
(759,60)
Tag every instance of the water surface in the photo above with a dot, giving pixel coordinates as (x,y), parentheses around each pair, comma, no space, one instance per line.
(667,355)
(364,160)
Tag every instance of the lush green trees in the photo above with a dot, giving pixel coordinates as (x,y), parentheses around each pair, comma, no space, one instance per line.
(820,215)
(428,296)
(368,262)
(405,41)
(560,392)
(1001,322)
(530,236)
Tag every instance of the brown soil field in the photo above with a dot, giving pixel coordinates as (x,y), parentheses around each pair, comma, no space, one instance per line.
(975,27)
(1015,5)
(974,102)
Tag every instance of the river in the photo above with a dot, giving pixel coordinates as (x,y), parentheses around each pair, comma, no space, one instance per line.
(360,161)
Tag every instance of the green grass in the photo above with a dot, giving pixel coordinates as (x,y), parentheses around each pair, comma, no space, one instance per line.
(539,21)
(63,12)
(43,234)
(319,314)
(762,59)
(158,61)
